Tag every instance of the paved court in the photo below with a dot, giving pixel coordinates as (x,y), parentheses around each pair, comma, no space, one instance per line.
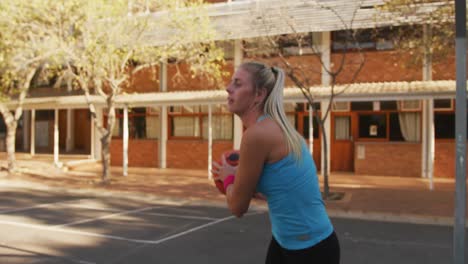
(46,225)
(40,226)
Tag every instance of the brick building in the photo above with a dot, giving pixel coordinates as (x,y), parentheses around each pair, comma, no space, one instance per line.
(393,120)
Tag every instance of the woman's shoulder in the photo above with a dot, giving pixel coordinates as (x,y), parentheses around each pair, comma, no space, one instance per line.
(266,132)
(255,132)
(266,128)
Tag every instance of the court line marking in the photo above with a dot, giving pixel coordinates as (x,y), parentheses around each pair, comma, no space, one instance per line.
(107,216)
(193,217)
(39,206)
(140,241)
(83,233)
(199,227)
(79,206)
(135,250)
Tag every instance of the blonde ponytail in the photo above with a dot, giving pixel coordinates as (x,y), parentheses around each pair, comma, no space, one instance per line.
(274,107)
(272,79)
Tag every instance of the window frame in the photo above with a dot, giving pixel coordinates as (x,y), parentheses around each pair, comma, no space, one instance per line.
(387,124)
(130,117)
(302,111)
(403,108)
(444,109)
(200,114)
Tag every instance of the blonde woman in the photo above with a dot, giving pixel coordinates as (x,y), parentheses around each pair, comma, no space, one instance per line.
(275,161)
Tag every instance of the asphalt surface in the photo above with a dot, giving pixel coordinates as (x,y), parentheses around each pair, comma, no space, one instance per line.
(47,225)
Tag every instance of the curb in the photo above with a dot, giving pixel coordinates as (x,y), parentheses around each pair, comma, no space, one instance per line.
(393,218)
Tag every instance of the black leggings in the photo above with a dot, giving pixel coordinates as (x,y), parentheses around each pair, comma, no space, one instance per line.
(325,252)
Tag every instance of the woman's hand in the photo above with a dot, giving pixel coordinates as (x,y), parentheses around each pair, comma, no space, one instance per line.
(221,171)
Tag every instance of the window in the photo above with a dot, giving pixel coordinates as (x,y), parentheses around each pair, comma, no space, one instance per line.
(443,104)
(395,129)
(302,107)
(342,127)
(289,108)
(305,129)
(143,123)
(341,106)
(445,119)
(388,122)
(191,122)
(221,126)
(444,125)
(388,105)
(45,115)
(299,44)
(410,105)
(185,126)
(362,106)
(366,39)
(302,120)
(373,126)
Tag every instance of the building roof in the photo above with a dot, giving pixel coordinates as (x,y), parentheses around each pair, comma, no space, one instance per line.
(381,91)
(257,18)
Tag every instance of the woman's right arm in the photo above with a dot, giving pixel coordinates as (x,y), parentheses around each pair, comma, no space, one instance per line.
(253,154)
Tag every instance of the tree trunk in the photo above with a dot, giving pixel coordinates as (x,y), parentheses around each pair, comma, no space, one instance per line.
(11,124)
(10,144)
(106,140)
(106,158)
(11,120)
(326,187)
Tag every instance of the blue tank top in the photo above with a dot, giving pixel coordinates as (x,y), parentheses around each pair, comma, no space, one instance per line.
(297,212)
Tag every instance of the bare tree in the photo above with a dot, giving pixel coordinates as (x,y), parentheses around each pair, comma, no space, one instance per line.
(423,27)
(28,34)
(114,41)
(304,75)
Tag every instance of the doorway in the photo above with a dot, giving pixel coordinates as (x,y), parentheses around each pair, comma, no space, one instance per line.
(343,133)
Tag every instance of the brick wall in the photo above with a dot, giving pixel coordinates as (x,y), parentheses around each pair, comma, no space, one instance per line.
(193,154)
(444,160)
(179,78)
(383,159)
(190,154)
(141,153)
(145,80)
(379,66)
(404,159)
(182,154)
(444,70)
(388,159)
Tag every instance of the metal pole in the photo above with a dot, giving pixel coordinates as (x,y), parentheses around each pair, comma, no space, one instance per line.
(125,141)
(33,132)
(311,130)
(56,137)
(460,134)
(162,146)
(210,141)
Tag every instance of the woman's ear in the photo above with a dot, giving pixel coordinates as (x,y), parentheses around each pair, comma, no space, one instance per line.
(261,95)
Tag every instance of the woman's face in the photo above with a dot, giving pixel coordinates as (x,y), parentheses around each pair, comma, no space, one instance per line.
(241,93)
